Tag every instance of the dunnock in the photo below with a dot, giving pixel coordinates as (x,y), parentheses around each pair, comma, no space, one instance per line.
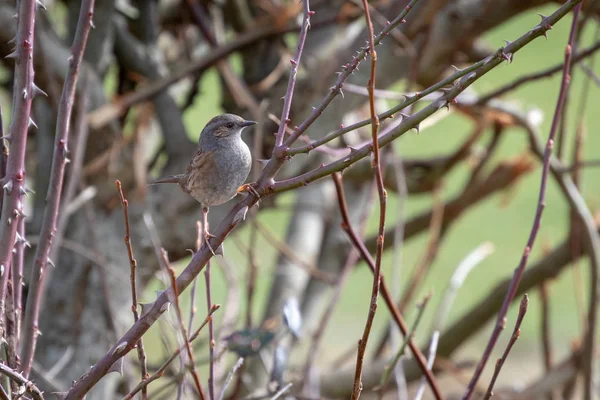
(219,167)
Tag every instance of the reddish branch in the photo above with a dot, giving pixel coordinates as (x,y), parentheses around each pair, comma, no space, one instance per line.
(266,186)
(191,365)
(211,336)
(376,167)
(59,162)
(289,94)
(518,273)
(13,183)
(134,300)
(387,297)
(511,342)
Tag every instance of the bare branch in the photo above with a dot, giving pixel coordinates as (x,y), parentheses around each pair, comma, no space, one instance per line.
(59,162)
(515,335)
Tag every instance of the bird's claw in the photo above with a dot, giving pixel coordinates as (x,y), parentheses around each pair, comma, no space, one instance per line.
(250,188)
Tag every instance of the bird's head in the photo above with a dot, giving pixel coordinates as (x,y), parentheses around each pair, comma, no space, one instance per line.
(226,125)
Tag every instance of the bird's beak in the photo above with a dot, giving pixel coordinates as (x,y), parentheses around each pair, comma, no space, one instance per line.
(247,123)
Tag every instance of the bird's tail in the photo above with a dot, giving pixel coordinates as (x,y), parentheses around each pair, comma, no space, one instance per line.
(168,179)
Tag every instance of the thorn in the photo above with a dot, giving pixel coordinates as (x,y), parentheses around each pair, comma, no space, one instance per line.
(12,55)
(36,91)
(92,25)
(165,307)
(508,57)
(50,262)
(240,215)
(8,186)
(9,222)
(342,93)
(24,94)
(24,190)
(117,367)
(145,307)
(417,128)
(544,23)
(455,68)
(39,3)
(32,123)
(12,41)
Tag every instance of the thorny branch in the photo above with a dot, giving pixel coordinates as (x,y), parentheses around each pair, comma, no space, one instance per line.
(518,273)
(376,167)
(266,186)
(134,299)
(346,226)
(59,162)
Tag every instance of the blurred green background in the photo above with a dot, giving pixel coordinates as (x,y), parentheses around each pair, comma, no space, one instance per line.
(505,219)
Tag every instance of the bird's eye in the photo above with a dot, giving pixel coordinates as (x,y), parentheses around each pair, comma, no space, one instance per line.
(229,125)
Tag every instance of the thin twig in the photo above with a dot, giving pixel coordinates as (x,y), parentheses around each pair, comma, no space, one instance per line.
(376,167)
(518,273)
(430,359)
(59,162)
(537,75)
(511,342)
(389,301)
(289,94)
(134,299)
(211,336)
(159,372)
(336,89)
(230,376)
(195,284)
(385,377)
(191,365)
(545,327)
(70,202)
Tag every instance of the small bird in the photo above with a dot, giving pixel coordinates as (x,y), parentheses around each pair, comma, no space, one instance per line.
(219,167)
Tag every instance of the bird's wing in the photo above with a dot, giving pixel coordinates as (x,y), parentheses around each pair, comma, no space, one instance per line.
(201,161)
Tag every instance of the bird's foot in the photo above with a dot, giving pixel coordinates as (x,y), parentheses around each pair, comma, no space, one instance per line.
(250,188)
